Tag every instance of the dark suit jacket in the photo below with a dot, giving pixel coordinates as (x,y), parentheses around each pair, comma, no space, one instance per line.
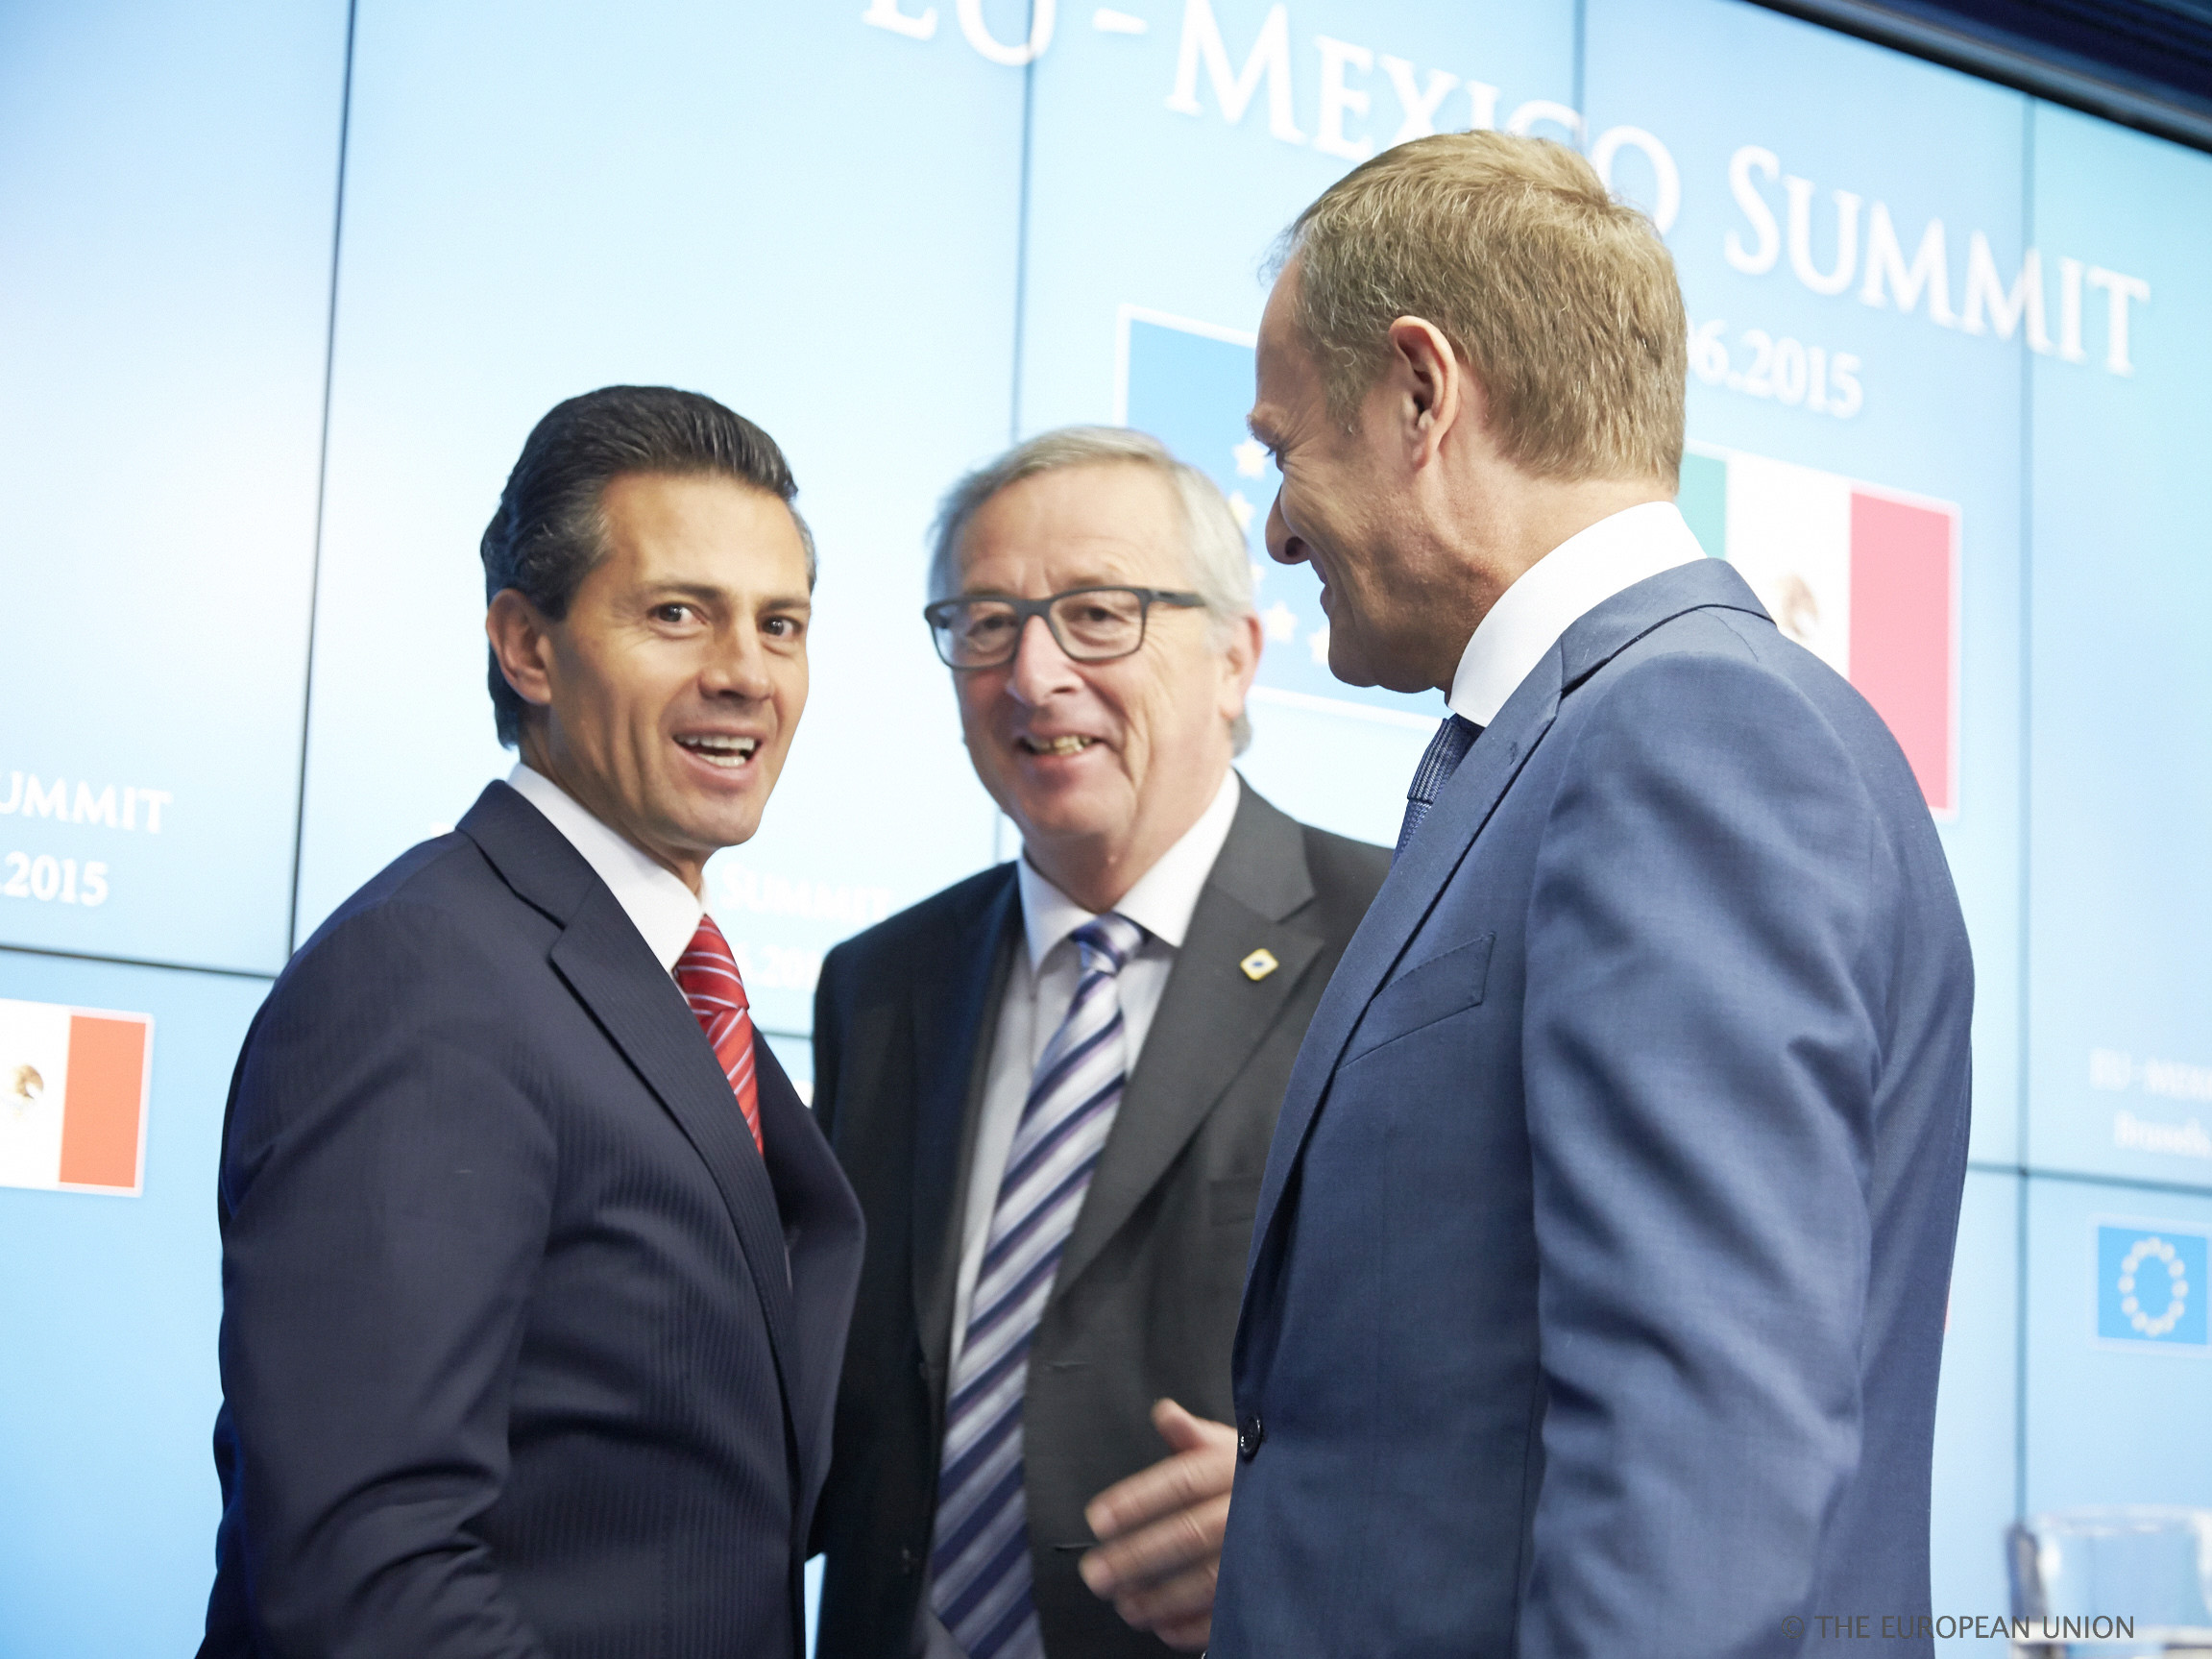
(1147,1290)
(1597,1285)
(513,1362)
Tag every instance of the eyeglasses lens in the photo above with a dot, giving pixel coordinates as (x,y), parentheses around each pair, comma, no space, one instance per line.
(1090,628)
(1108,624)
(978,633)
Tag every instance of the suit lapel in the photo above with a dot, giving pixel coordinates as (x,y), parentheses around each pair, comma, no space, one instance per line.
(1461,811)
(1411,891)
(1211,1016)
(821,1229)
(954,1012)
(614,975)
(606,963)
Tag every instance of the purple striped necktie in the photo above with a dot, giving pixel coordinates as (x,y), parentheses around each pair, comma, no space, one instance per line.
(980,1563)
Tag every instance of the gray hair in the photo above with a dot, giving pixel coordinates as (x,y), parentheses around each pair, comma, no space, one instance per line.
(1214,552)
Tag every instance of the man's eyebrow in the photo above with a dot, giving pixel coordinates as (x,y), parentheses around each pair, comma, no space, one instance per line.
(707,593)
(1260,429)
(1076,584)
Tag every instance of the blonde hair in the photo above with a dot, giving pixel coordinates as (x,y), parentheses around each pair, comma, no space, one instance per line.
(1562,300)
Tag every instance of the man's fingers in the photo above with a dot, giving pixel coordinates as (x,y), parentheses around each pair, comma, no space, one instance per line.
(1162,1530)
(1189,1477)
(1182,1432)
(1187,1538)
(1190,1636)
(1177,1482)
(1175,1600)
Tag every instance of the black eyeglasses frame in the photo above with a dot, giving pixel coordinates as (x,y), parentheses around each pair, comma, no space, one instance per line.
(938,611)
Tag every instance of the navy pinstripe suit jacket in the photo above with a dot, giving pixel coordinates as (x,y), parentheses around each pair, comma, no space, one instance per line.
(526,1348)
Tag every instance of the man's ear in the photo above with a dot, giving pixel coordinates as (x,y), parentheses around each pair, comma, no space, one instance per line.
(522,644)
(1438,389)
(1242,652)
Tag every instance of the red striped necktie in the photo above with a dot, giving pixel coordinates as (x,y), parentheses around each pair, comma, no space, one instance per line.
(708,975)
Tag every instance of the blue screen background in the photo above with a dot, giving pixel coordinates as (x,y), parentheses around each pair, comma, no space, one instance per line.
(283,288)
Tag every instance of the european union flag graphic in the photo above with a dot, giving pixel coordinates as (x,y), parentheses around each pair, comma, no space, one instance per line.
(2152,1286)
(1189,384)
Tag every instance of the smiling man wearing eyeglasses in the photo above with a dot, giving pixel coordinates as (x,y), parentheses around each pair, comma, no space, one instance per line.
(1054,1085)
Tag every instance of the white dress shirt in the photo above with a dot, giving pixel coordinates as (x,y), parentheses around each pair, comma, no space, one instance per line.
(1553,594)
(1041,986)
(653,897)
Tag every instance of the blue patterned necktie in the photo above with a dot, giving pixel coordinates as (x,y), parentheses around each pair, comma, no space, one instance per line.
(979,1562)
(1445,750)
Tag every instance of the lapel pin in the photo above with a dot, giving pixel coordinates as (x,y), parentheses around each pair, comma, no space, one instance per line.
(1259,965)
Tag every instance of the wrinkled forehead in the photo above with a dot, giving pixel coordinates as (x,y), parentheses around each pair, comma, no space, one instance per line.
(1117,523)
(1278,318)
(1286,375)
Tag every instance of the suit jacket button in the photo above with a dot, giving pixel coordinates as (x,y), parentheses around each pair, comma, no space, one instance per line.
(907,1561)
(1249,1437)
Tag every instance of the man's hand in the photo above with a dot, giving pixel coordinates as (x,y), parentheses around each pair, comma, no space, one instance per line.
(1159,1531)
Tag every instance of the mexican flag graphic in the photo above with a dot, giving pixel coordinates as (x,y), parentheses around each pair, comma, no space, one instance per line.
(1864,577)
(73,1097)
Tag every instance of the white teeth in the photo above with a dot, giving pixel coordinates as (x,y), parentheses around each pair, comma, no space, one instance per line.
(1062,746)
(722,751)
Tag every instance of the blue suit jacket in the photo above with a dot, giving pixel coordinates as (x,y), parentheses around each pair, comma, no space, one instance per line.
(1598,1286)
(526,1348)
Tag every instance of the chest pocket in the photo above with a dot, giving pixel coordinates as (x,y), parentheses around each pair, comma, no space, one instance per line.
(1436,989)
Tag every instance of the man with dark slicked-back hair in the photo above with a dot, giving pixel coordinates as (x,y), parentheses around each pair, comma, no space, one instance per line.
(535,1270)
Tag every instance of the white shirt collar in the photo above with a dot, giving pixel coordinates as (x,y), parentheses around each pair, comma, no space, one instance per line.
(1161,901)
(654,897)
(1553,594)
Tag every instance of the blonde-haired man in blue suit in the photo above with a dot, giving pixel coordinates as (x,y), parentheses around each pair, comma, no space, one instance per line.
(1596,1293)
